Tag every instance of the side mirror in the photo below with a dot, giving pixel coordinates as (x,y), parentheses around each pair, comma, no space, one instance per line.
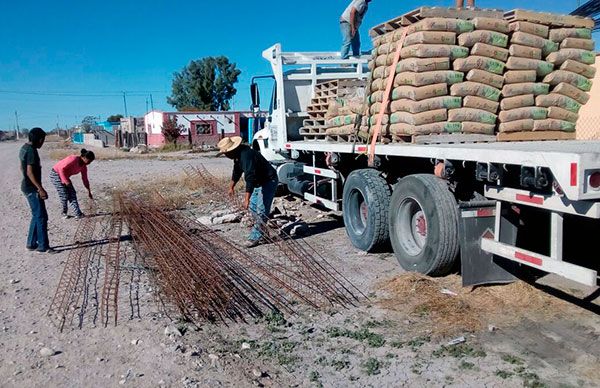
(255,94)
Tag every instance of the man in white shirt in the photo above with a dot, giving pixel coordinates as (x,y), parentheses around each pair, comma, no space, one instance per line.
(349,23)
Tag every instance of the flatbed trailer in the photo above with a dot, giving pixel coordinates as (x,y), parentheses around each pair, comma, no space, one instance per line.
(537,203)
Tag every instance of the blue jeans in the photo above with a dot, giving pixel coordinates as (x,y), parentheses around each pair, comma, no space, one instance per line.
(349,41)
(260,206)
(38,228)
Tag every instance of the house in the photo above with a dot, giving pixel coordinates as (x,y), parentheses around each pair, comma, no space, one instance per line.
(199,128)
(588,124)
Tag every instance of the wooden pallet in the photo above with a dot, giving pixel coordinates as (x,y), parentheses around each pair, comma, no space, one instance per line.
(342,138)
(549,19)
(444,138)
(313,123)
(535,136)
(314,137)
(432,12)
(313,130)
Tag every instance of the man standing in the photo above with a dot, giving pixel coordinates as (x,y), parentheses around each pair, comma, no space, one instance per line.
(261,182)
(349,23)
(32,187)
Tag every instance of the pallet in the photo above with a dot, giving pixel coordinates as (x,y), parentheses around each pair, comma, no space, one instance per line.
(341,138)
(444,138)
(535,136)
(432,12)
(549,19)
(313,123)
(313,130)
(314,138)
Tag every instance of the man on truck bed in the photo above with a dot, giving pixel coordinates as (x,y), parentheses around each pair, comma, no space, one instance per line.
(261,181)
(349,23)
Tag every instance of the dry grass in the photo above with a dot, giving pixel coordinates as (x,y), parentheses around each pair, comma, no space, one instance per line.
(63,150)
(472,309)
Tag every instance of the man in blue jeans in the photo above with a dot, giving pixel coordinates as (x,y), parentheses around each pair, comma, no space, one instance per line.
(31,186)
(261,182)
(350,21)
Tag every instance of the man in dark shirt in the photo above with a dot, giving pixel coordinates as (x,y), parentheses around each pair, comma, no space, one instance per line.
(261,182)
(31,186)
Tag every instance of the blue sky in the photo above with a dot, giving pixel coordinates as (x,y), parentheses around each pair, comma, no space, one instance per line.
(101,48)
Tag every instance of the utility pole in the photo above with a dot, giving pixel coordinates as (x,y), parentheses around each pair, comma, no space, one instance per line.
(151,102)
(125,104)
(17,123)
(146,106)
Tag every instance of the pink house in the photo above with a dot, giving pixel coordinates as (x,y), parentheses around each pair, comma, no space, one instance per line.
(199,128)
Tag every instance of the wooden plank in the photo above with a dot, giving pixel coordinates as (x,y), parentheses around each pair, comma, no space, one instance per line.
(550,19)
(535,136)
(459,13)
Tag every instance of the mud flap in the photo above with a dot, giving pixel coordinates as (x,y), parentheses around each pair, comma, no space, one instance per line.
(477,266)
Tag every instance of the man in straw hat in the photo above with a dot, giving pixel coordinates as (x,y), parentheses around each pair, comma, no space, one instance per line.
(261,181)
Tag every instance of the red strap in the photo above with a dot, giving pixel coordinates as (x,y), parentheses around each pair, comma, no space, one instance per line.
(386,96)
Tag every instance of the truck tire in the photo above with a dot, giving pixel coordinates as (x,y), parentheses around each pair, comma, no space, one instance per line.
(423,225)
(365,206)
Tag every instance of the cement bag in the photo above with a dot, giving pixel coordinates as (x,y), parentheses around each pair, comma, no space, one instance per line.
(576,43)
(579,55)
(381,72)
(487,50)
(530,28)
(419,118)
(341,131)
(441,24)
(491,24)
(429,104)
(381,60)
(553,125)
(376,96)
(479,128)
(571,91)
(493,38)
(530,112)
(560,34)
(555,99)
(475,89)
(576,80)
(371,65)
(434,51)
(429,78)
(530,40)
(525,52)
(384,120)
(485,77)
(430,37)
(471,114)
(402,129)
(378,84)
(517,102)
(541,67)
(557,113)
(386,48)
(517,126)
(480,103)
(419,93)
(333,110)
(519,76)
(341,120)
(481,63)
(525,88)
(579,68)
(421,65)
(375,108)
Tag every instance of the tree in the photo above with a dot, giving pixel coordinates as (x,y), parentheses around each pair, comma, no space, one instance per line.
(171,130)
(205,84)
(114,118)
(88,123)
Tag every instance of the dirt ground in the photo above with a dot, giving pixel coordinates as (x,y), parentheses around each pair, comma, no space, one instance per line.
(400,334)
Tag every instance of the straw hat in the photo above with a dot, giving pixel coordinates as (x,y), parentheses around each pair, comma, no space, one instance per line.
(229,144)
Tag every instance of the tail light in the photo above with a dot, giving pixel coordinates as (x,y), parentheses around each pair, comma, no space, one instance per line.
(594,180)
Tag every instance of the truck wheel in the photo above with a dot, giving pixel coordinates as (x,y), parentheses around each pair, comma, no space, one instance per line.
(365,206)
(423,225)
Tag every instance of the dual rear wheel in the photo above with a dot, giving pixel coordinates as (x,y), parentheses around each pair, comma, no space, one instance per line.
(420,219)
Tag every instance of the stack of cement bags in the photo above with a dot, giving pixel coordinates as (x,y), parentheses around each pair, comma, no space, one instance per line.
(483,69)
(341,117)
(420,97)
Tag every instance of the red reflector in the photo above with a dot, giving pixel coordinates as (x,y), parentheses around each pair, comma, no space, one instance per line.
(595,180)
(317,171)
(528,258)
(288,146)
(528,199)
(573,174)
(485,212)
(361,149)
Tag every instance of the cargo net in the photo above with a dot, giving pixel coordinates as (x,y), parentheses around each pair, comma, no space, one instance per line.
(483,74)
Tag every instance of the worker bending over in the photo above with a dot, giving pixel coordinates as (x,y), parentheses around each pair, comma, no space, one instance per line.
(261,182)
(349,23)
(61,175)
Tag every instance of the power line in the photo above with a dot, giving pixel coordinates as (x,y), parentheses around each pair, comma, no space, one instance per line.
(76,94)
